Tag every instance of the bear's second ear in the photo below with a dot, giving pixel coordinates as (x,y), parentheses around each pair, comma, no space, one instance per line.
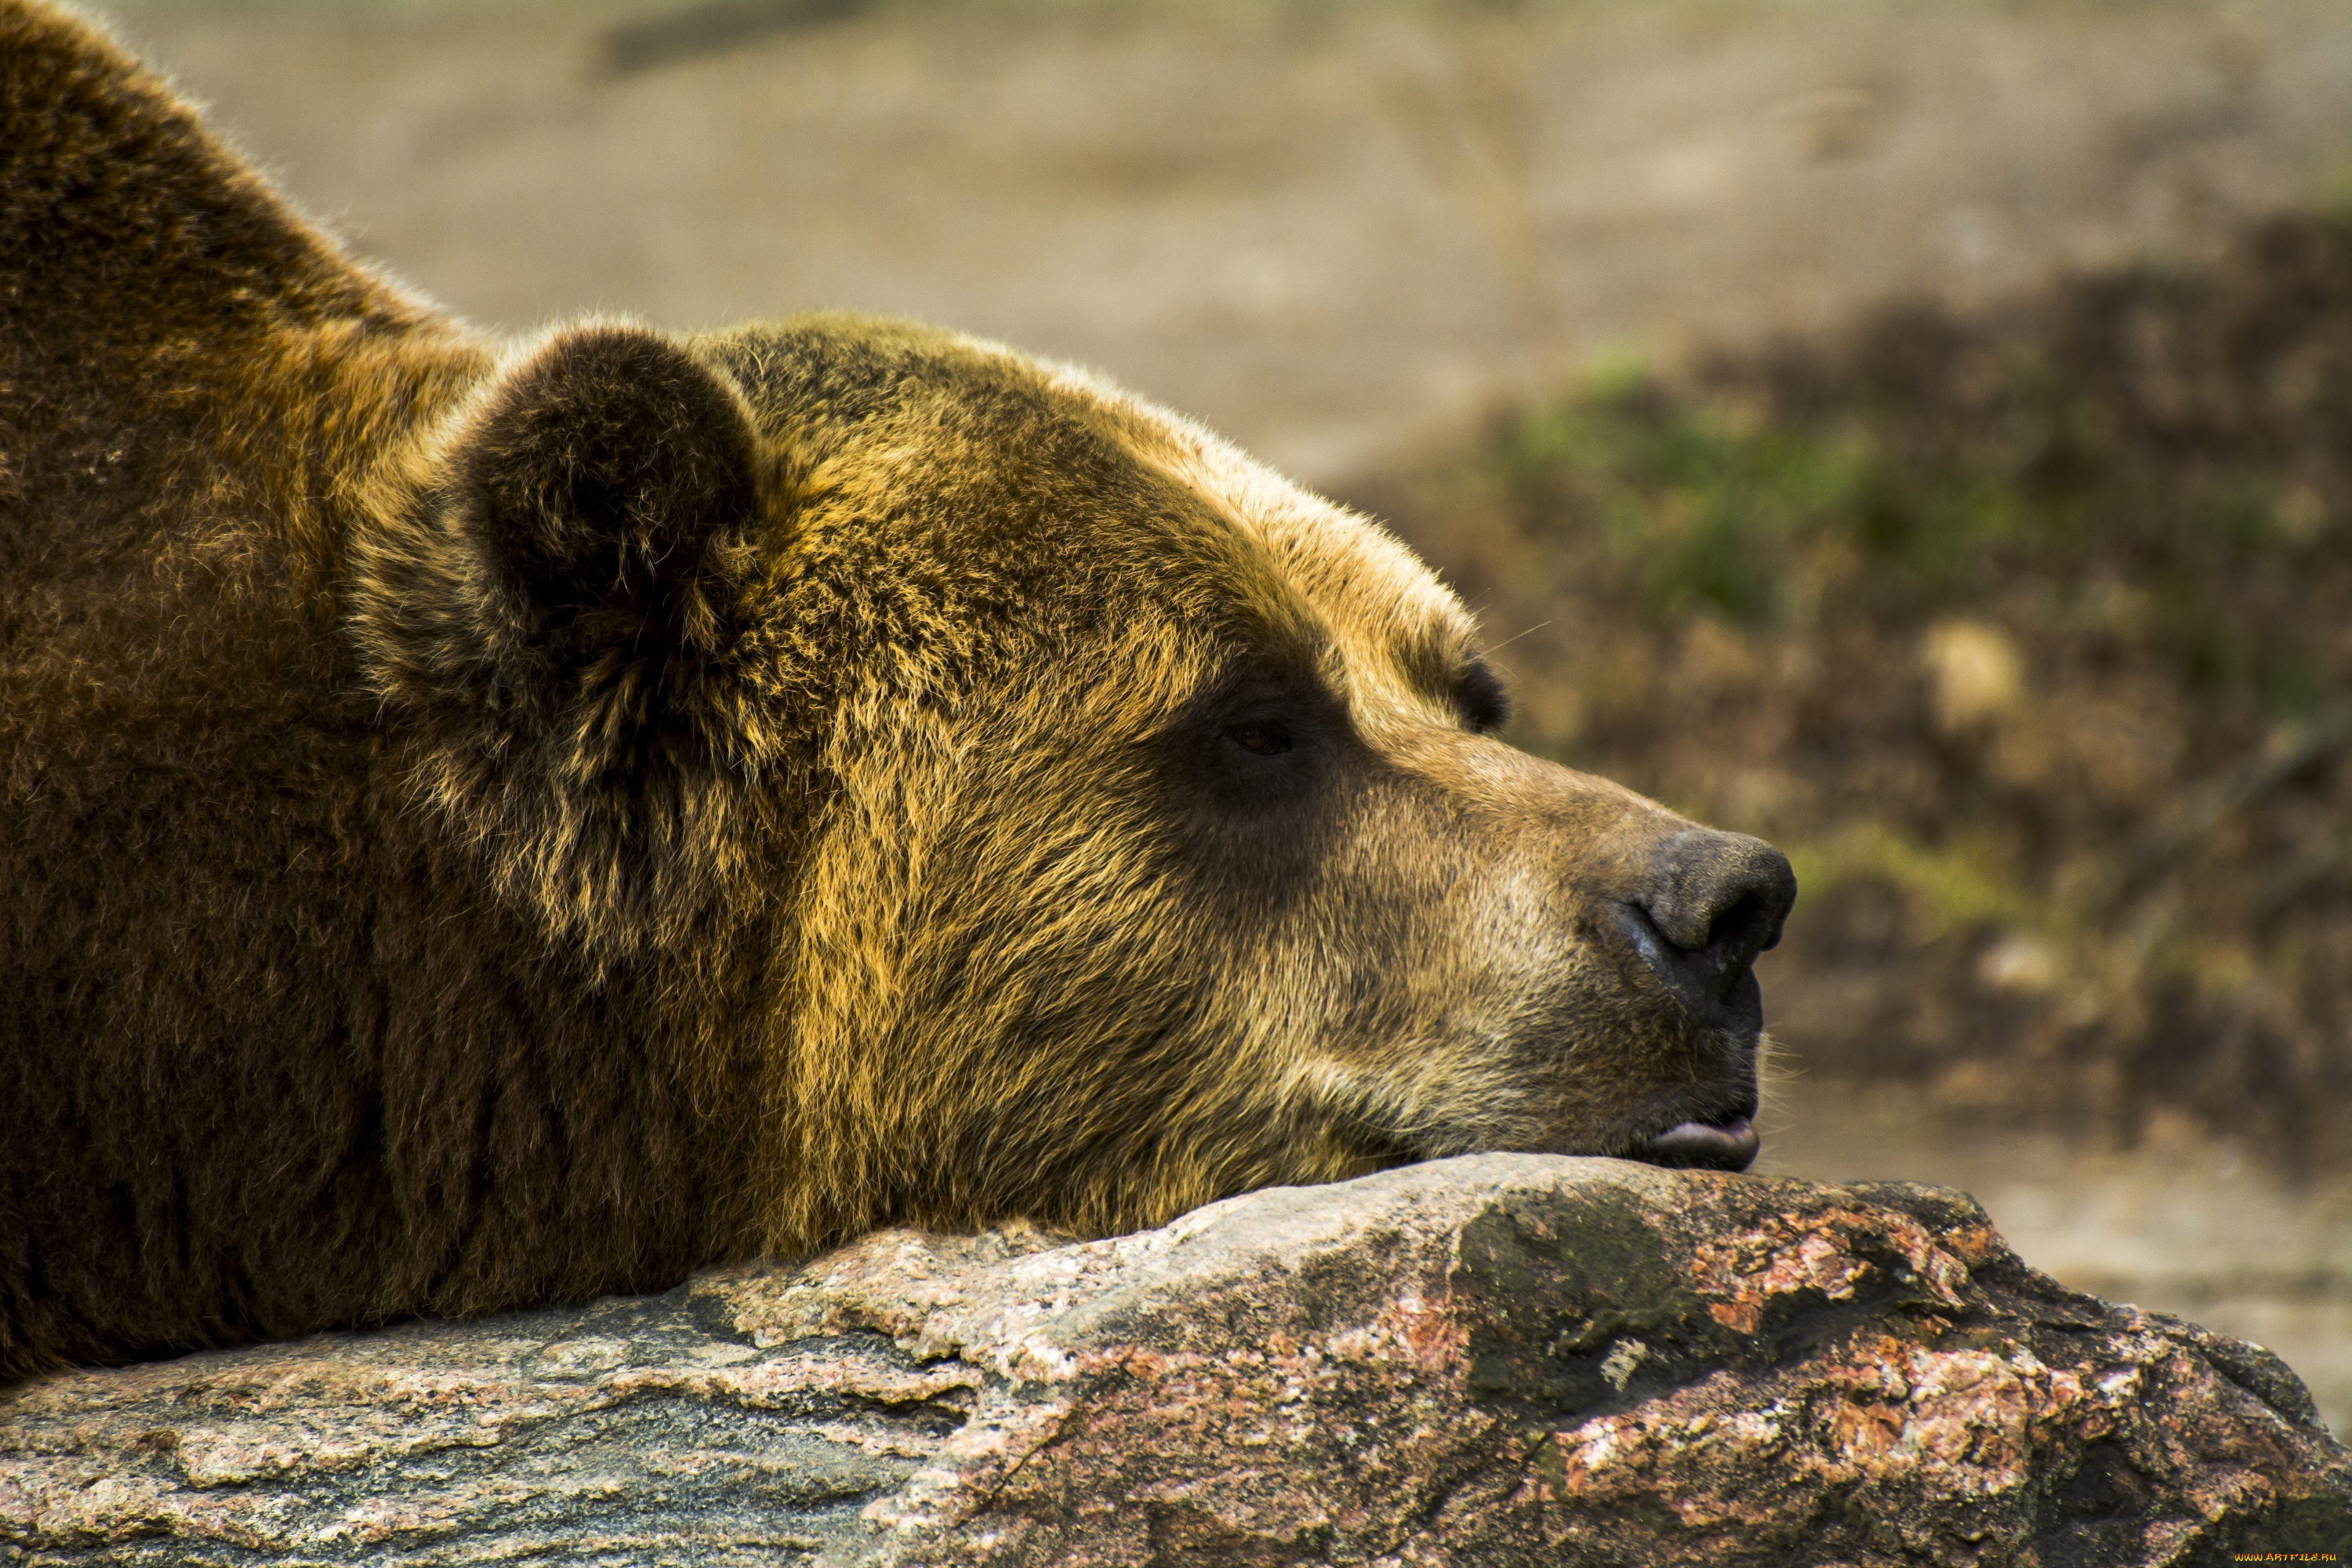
(592,485)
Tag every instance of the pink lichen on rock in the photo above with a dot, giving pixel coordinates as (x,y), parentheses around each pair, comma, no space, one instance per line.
(1818,1251)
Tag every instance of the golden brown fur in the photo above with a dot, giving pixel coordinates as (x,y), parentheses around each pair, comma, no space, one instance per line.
(483,823)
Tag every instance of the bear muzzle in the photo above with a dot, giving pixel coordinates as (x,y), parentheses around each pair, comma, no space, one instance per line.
(1711,902)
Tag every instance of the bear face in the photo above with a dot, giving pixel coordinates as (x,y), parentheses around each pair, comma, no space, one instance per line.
(1130,821)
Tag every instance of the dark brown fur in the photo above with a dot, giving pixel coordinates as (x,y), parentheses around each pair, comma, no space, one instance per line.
(269,1058)
(489,824)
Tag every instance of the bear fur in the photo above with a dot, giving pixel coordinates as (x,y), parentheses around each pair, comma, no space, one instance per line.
(486,823)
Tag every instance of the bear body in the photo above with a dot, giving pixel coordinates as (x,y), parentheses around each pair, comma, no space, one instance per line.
(489,822)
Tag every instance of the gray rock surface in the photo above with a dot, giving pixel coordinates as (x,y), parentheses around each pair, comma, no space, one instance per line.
(1504,1359)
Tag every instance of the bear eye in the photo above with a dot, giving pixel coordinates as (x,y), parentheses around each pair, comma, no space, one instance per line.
(1264,739)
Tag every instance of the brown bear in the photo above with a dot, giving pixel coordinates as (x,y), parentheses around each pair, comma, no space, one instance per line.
(489,822)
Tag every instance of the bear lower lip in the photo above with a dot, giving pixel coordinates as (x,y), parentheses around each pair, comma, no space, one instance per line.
(1726,1145)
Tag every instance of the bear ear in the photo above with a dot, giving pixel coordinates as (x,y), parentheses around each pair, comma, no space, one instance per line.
(592,485)
(550,612)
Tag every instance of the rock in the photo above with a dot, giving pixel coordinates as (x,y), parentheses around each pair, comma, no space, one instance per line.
(1502,1359)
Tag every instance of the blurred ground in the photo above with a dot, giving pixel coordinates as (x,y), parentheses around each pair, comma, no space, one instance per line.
(1347,234)
(2026,632)
(1327,227)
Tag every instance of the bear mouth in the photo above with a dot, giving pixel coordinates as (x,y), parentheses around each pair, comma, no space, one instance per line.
(1724,1143)
(1717,1140)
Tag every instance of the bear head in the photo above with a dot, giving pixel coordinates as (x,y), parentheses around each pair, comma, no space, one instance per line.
(1046,809)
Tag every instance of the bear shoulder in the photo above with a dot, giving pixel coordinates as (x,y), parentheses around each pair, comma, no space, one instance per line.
(179,347)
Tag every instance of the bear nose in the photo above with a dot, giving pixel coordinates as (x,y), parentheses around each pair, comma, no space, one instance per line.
(1713,902)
